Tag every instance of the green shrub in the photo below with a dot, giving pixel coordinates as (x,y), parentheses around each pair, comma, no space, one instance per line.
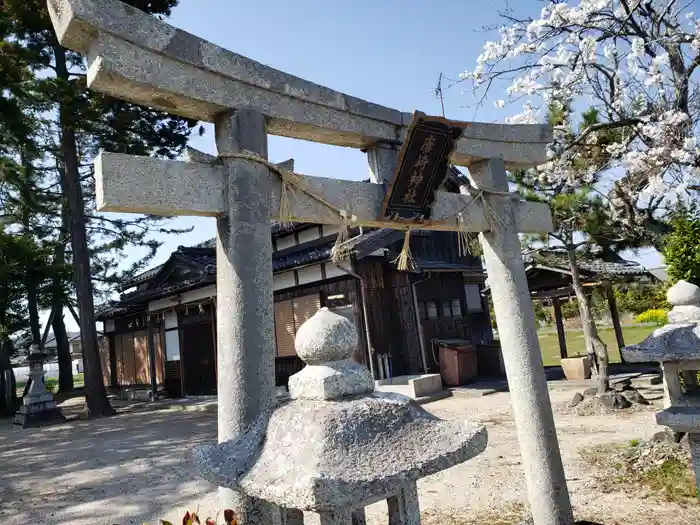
(682,249)
(656,316)
(638,298)
(51,384)
(570,310)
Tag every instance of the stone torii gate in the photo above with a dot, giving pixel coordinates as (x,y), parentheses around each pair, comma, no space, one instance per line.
(134,56)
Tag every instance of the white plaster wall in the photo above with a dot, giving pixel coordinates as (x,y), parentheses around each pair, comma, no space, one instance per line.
(329,229)
(170,320)
(283,280)
(333,271)
(285,242)
(187,297)
(308,235)
(309,274)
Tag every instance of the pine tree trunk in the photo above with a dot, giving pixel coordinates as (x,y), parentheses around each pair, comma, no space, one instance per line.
(30,275)
(8,386)
(33,306)
(95,391)
(65,362)
(590,332)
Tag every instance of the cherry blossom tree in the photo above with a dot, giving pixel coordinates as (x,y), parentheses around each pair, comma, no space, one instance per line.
(635,63)
(618,80)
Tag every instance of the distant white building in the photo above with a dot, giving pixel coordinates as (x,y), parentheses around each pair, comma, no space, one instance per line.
(51,347)
(660,273)
(74,341)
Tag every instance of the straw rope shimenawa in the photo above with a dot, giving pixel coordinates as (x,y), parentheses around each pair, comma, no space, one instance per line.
(292,182)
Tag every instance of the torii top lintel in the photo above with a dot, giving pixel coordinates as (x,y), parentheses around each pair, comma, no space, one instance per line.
(136,57)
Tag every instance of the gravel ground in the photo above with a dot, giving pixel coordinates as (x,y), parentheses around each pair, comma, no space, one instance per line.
(132,469)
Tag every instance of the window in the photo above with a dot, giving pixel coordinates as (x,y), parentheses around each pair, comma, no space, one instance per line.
(431,307)
(422,311)
(446,309)
(289,316)
(472,297)
(456,308)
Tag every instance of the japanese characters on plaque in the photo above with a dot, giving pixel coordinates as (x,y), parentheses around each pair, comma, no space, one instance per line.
(422,167)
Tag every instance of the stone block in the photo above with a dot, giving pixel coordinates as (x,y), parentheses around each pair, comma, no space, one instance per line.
(576,368)
(331,380)
(425,385)
(139,395)
(30,416)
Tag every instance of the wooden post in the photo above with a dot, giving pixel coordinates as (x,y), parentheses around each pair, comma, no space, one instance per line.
(113,376)
(612,304)
(152,357)
(560,327)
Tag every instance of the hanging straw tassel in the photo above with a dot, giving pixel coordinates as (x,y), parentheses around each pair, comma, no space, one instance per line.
(285,206)
(462,236)
(492,217)
(405,261)
(340,249)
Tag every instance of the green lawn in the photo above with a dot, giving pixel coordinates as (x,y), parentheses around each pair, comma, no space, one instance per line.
(575,345)
(52,383)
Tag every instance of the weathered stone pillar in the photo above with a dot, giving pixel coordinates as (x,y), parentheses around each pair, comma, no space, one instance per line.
(539,447)
(694,445)
(244,307)
(382,159)
(403,507)
(359,517)
(340,517)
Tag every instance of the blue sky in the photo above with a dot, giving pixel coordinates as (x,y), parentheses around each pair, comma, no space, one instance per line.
(388,52)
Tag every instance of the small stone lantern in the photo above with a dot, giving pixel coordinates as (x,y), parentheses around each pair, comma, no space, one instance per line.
(38,406)
(338,446)
(677,347)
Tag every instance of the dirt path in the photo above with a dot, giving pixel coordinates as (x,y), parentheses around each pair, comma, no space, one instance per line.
(132,469)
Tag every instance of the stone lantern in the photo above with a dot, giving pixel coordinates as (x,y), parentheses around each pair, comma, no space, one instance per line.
(677,347)
(38,406)
(338,446)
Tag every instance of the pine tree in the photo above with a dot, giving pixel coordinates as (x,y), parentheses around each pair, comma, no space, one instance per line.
(585,223)
(78,124)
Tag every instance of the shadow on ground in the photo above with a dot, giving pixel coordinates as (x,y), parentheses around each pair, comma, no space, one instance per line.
(114,470)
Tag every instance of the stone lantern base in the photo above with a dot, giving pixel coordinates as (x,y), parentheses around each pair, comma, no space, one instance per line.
(38,405)
(38,413)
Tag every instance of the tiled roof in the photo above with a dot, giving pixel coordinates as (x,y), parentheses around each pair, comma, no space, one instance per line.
(276,229)
(427,266)
(202,257)
(613,265)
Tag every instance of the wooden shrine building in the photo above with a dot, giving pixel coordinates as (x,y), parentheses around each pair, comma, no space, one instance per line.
(167,315)
(549,279)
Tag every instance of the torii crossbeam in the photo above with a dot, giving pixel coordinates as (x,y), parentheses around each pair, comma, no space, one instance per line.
(134,56)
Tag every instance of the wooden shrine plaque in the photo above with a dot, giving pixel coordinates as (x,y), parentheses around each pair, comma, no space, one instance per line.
(421,168)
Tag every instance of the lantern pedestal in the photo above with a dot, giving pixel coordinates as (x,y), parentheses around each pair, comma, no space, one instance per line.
(39,407)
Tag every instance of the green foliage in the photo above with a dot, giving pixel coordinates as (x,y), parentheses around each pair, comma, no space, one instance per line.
(570,310)
(542,313)
(39,99)
(51,384)
(599,304)
(638,298)
(672,478)
(682,249)
(657,317)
